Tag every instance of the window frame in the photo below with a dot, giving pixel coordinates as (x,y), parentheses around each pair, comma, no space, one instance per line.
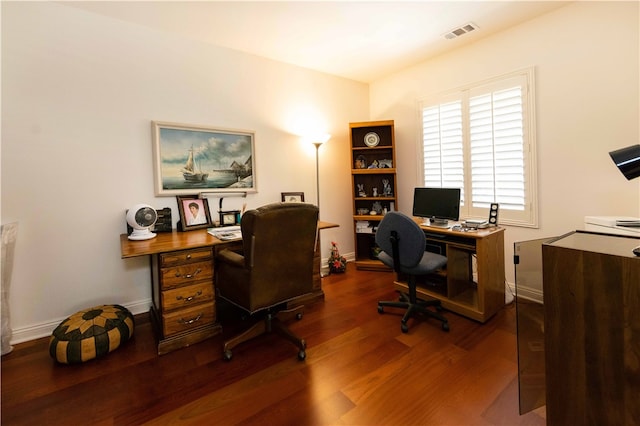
(526,77)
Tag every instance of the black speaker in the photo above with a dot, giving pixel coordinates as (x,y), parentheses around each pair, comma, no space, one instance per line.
(493,214)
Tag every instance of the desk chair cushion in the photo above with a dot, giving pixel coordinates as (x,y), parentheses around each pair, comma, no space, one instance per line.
(414,260)
(430,262)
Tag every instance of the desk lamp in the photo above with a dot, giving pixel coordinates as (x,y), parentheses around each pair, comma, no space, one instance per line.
(628,162)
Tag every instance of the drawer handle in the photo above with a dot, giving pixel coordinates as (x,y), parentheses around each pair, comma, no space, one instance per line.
(190,298)
(188,257)
(191,321)
(197,271)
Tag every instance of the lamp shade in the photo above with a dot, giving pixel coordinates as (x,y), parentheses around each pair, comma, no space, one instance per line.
(628,161)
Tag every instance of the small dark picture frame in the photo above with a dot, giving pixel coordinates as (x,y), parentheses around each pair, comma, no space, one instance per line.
(292,197)
(230,218)
(194,212)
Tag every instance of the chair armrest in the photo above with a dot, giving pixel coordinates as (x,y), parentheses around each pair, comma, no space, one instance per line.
(231,257)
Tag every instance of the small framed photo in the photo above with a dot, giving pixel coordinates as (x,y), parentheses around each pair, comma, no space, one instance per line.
(292,197)
(230,218)
(194,212)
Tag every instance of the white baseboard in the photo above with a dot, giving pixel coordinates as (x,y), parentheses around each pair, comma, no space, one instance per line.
(528,293)
(37,331)
(25,334)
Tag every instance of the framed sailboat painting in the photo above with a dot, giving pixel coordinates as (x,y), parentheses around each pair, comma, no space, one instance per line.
(191,158)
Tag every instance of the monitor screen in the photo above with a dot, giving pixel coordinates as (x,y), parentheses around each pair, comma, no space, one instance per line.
(437,203)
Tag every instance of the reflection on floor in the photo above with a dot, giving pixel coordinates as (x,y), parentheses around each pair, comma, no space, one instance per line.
(530,318)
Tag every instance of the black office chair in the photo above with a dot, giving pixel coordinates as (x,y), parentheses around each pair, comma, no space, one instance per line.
(403,248)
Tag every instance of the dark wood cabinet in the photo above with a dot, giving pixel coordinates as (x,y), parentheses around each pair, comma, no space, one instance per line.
(591,285)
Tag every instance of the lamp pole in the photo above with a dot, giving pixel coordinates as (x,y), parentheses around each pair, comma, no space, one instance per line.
(317,144)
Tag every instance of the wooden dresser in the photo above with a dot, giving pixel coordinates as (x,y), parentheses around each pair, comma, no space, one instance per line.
(184,307)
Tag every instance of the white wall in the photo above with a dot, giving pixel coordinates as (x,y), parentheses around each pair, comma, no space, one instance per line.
(586,57)
(79,92)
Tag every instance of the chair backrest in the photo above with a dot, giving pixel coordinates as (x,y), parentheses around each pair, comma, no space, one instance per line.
(279,242)
(411,240)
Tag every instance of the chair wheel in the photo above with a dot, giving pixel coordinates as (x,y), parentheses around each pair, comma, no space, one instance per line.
(299,316)
(227,355)
(445,326)
(380,309)
(404,328)
(302,355)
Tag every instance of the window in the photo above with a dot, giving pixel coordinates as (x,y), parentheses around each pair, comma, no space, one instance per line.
(480,138)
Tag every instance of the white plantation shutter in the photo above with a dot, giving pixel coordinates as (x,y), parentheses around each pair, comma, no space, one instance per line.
(480,139)
(442,136)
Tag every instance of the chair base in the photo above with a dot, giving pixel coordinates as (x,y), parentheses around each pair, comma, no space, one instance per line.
(272,322)
(413,307)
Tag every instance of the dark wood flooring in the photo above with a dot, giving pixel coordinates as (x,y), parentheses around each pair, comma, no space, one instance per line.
(360,370)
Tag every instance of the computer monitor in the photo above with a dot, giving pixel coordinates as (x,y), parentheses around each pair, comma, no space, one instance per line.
(439,205)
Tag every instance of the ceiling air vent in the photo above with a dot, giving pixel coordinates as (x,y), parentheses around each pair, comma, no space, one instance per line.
(457,32)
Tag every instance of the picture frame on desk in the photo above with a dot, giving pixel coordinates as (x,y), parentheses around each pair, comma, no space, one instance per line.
(292,197)
(194,213)
(230,218)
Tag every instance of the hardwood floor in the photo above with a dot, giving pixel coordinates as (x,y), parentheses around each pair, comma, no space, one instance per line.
(360,370)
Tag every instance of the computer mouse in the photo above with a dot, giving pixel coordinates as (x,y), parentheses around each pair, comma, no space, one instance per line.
(636,251)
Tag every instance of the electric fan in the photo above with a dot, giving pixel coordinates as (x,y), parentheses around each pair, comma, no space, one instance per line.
(141,217)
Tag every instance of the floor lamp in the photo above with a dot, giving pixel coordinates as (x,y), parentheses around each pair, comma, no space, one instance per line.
(317,144)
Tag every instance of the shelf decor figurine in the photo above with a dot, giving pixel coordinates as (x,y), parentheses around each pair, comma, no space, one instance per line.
(361,191)
(386,188)
(337,263)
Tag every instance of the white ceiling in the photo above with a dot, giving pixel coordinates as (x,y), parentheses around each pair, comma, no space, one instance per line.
(359,40)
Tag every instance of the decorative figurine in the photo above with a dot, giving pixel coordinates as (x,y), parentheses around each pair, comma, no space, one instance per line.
(361,192)
(377,207)
(337,263)
(386,188)
(375,192)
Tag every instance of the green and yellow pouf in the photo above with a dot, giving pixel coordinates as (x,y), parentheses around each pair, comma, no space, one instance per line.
(91,333)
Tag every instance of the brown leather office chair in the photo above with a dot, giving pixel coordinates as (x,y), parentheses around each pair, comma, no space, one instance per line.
(276,266)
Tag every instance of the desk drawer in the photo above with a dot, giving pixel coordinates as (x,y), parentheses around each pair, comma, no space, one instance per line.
(188,319)
(185,256)
(186,296)
(189,273)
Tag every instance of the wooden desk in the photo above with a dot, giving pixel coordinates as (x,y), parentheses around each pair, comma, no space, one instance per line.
(457,290)
(183,311)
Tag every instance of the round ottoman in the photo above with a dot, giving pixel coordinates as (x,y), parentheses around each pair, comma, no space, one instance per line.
(91,333)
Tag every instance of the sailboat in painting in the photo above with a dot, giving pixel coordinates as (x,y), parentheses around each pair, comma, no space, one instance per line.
(191,171)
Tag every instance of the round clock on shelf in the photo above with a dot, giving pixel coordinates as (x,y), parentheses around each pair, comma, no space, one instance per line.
(371,139)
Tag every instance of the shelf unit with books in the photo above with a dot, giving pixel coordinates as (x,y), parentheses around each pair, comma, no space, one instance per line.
(374,185)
